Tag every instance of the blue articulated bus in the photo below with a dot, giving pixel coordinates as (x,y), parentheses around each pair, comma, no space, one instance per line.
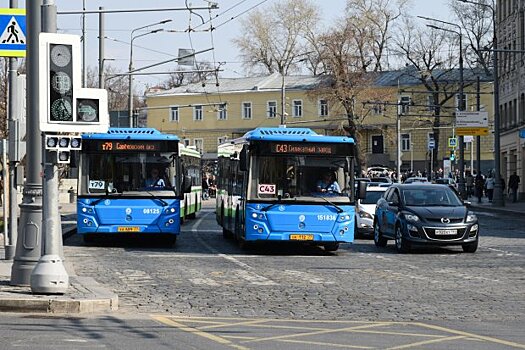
(133,182)
(287,184)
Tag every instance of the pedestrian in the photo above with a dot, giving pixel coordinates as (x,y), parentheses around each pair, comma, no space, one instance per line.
(469,183)
(514,181)
(479,183)
(489,185)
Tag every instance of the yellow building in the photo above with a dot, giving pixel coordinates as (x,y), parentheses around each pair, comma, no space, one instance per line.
(207,114)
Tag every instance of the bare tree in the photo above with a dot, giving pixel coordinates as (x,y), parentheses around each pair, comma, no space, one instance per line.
(117,86)
(431,60)
(477,22)
(372,23)
(4,67)
(181,78)
(273,43)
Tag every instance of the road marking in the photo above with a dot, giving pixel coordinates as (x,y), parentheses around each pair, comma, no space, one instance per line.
(426,342)
(307,276)
(504,252)
(244,323)
(471,335)
(333,345)
(326,331)
(182,327)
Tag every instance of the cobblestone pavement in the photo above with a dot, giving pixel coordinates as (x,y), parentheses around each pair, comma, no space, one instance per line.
(205,275)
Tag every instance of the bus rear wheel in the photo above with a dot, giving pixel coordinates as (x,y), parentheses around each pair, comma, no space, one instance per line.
(331,247)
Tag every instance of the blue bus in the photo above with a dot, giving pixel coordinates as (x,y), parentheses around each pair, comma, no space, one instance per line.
(270,187)
(136,181)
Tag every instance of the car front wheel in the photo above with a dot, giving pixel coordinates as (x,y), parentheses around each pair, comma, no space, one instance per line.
(470,247)
(402,245)
(379,240)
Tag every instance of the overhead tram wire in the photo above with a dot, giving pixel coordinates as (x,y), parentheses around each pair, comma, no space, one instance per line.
(223,12)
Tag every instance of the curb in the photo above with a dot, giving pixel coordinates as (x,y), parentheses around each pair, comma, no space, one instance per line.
(490,209)
(102,301)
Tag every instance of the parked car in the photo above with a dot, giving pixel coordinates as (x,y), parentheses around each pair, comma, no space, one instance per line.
(418,214)
(447,181)
(416,179)
(381,179)
(365,210)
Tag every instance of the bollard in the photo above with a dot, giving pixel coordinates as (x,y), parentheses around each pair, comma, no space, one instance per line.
(71,192)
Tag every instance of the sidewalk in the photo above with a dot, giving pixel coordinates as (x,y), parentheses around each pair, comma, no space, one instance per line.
(510,208)
(84,294)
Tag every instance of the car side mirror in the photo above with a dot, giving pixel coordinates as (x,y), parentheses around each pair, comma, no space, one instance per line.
(393,204)
(361,190)
(243,159)
(186,184)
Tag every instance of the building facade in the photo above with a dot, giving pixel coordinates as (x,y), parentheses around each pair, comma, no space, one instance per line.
(205,115)
(511,36)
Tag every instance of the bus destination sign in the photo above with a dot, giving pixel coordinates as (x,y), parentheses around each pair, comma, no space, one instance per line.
(125,146)
(300,148)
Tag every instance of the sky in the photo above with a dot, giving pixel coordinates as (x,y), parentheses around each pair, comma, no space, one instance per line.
(154,48)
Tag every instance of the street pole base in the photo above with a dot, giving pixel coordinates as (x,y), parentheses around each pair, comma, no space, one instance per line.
(9,252)
(49,276)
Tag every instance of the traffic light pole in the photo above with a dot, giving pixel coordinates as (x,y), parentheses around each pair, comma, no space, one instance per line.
(49,275)
(28,244)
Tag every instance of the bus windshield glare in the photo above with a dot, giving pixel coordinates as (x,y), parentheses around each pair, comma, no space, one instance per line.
(137,173)
(300,178)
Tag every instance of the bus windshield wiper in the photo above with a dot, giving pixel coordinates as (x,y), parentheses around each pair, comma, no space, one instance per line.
(337,208)
(107,195)
(162,201)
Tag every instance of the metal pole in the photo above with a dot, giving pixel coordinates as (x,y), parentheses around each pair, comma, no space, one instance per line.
(130,85)
(478,138)
(398,147)
(461,140)
(84,72)
(11,235)
(5,188)
(49,275)
(283,98)
(28,246)
(411,157)
(101,48)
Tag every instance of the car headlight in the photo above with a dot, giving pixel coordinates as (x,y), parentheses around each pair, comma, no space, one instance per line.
(365,215)
(471,217)
(412,217)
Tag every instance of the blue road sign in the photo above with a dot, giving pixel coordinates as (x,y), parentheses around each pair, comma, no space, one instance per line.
(13,32)
(431,144)
(522,133)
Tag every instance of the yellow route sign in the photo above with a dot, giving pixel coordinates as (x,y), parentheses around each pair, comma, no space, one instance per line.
(472,131)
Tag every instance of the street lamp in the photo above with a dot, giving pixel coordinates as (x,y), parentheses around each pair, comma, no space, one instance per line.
(461,106)
(497,200)
(132,38)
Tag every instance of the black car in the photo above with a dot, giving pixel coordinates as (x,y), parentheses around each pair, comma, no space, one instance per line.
(416,214)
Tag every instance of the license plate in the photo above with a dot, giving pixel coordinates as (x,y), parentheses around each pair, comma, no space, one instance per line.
(446,232)
(128,229)
(302,237)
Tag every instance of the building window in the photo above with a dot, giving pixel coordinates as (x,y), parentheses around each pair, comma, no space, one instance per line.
(199,145)
(297,108)
(246,110)
(405,142)
(404,104)
(378,109)
(197,113)
(323,108)
(222,113)
(271,109)
(174,113)
(465,99)
(222,139)
(186,142)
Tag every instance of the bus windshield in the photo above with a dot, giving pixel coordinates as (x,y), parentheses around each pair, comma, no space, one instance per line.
(138,173)
(300,178)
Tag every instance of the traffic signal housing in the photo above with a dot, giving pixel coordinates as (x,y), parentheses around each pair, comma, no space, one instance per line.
(453,156)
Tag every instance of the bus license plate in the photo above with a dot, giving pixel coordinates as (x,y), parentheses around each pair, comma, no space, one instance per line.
(128,229)
(302,237)
(446,232)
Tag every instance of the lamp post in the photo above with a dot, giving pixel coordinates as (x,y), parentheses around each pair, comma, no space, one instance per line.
(130,85)
(461,105)
(497,200)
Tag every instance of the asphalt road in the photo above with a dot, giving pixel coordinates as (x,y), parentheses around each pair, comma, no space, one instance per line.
(206,293)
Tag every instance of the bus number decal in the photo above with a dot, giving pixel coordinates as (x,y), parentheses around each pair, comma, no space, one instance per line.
(151,211)
(266,189)
(323,217)
(96,184)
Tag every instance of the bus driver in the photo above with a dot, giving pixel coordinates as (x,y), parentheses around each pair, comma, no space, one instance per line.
(155,180)
(328,184)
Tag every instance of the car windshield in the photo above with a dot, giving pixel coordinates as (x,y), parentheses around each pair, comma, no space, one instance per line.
(300,178)
(372,197)
(431,197)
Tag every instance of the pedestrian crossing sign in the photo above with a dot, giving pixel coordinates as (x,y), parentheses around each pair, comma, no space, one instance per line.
(13,32)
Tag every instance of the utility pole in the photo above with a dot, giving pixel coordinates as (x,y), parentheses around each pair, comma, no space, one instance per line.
(14,139)
(28,245)
(478,138)
(101,36)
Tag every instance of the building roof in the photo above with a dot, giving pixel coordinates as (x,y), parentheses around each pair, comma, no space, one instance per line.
(273,82)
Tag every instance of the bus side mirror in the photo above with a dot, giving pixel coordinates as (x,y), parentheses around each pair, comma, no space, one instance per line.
(186,184)
(361,189)
(243,159)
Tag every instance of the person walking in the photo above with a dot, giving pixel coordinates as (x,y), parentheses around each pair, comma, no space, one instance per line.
(514,181)
(479,183)
(470,183)
(489,185)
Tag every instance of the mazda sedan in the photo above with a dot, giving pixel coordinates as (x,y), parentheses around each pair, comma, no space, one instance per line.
(421,214)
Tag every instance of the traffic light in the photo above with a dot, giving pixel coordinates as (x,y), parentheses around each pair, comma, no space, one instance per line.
(61,147)
(453,156)
(61,82)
